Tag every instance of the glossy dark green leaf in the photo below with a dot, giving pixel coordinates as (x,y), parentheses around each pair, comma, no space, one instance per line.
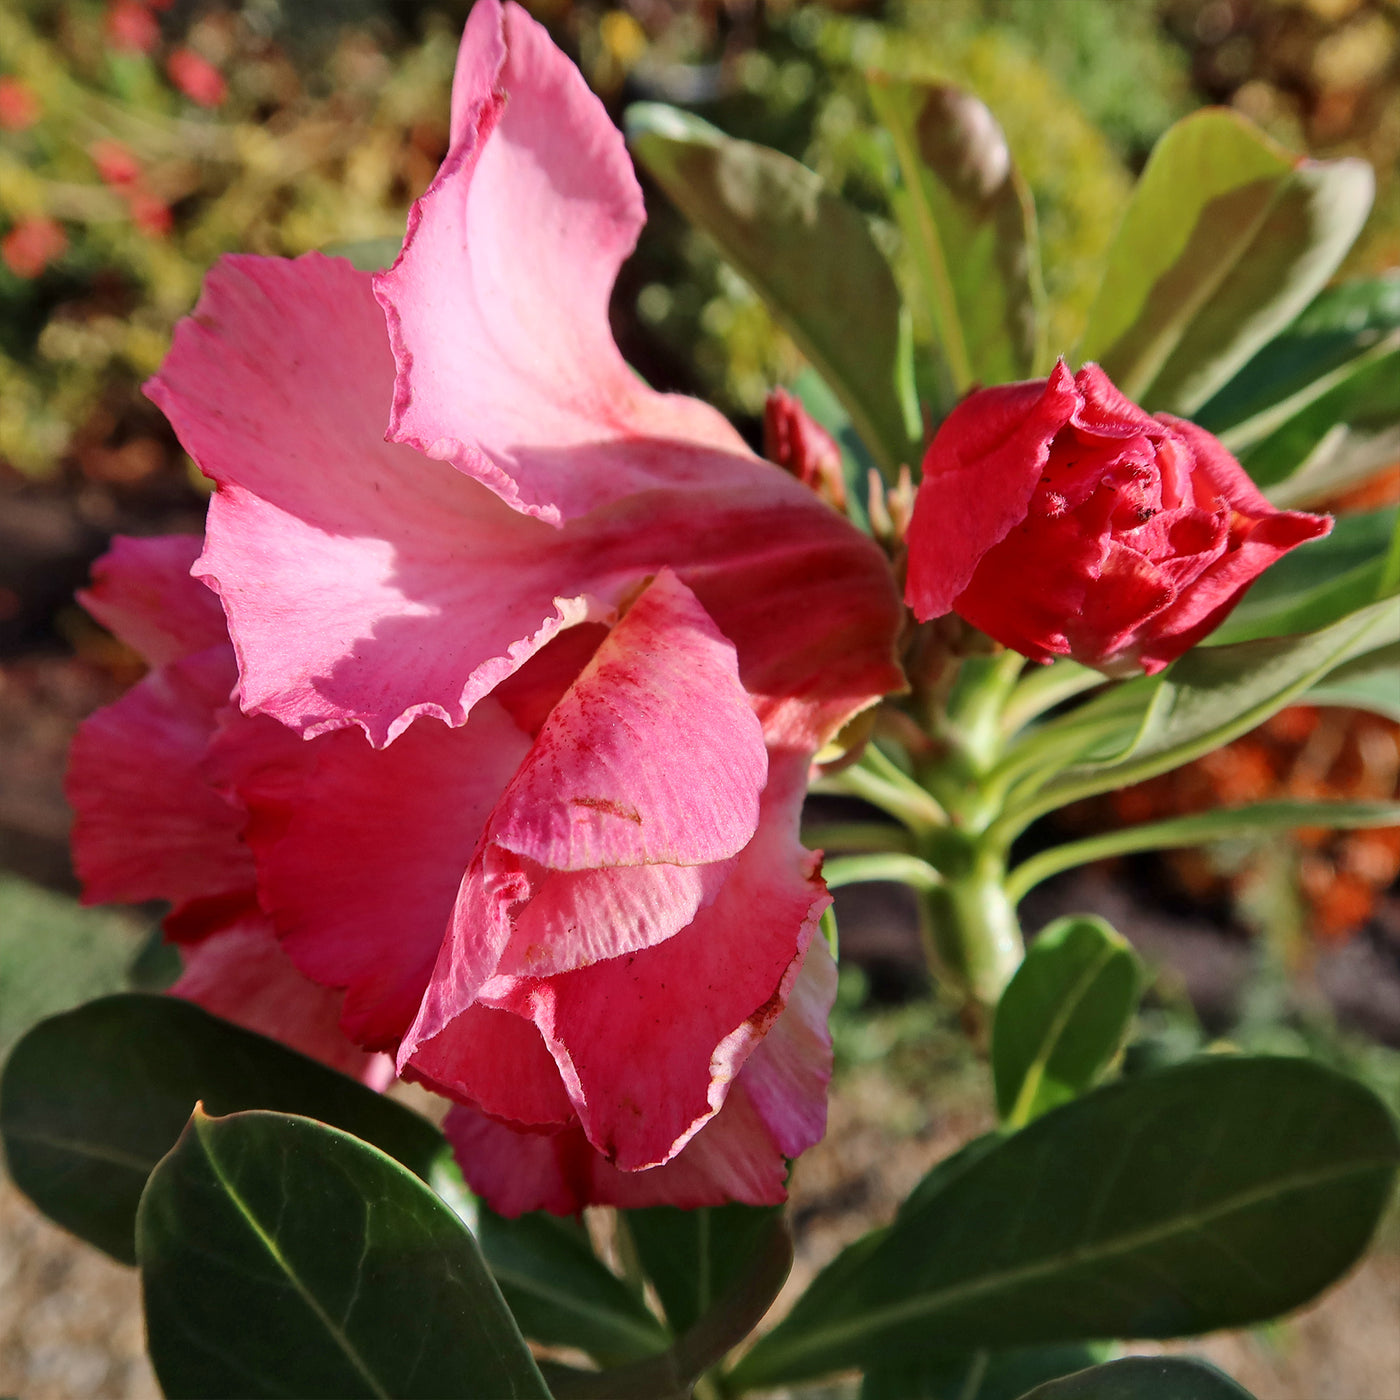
(1213,1194)
(807,253)
(981,1375)
(1225,241)
(694,1257)
(1317,584)
(1345,326)
(1144,1378)
(560,1291)
(280,1257)
(92,1099)
(1062,1017)
(969,224)
(730,1319)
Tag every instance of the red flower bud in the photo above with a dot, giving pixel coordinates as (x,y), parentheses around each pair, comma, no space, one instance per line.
(799,444)
(1064,521)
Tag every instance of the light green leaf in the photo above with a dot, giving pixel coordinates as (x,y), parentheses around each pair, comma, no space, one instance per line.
(282,1257)
(91,1100)
(1144,1378)
(1340,439)
(808,254)
(1212,1194)
(1062,1017)
(1316,584)
(1346,326)
(1203,700)
(1227,238)
(969,222)
(1371,682)
(560,1291)
(367,254)
(1221,824)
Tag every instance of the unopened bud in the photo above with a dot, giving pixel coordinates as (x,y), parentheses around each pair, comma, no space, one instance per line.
(799,444)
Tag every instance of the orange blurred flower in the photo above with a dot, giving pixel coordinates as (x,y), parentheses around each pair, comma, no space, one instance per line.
(31,245)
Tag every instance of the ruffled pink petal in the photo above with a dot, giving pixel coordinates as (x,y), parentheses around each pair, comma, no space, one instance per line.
(979,475)
(242,975)
(365,585)
(498,305)
(147,823)
(786,1077)
(495,1061)
(653,756)
(648,1044)
(361,583)
(360,851)
(645,777)
(142,592)
(733,1159)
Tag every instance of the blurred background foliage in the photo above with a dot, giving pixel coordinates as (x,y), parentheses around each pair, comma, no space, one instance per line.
(141,139)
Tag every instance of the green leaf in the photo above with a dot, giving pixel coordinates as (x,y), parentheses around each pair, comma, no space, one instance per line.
(1371,682)
(1344,328)
(367,254)
(693,1257)
(1201,701)
(1316,584)
(282,1257)
(980,1375)
(560,1291)
(1220,824)
(807,253)
(1226,239)
(1144,1378)
(969,221)
(91,1100)
(1213,1194)
(1062,1017)
(1337,440)
(731,1318)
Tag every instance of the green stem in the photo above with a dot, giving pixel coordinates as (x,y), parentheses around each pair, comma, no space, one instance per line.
(881,783)
(856,836)
(889,865)
(972,927)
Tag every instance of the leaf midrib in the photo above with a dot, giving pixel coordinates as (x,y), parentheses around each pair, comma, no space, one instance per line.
(1075,1257)
(307,1297)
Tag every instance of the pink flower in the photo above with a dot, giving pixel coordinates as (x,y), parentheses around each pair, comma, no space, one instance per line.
(196,78)
(1064,521)
(31,245)
(19,108)
(563,649)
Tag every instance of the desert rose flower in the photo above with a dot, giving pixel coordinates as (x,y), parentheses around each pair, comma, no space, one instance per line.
(1062,520)
(527,693)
